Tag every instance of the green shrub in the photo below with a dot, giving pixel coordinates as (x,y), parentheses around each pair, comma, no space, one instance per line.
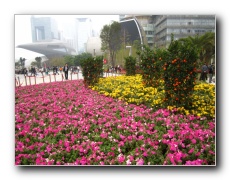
(92,69)
(180,74)
(151,65)
(130,65)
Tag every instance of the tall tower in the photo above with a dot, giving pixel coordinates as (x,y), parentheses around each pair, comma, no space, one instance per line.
(43,28)
(84,32)
(181,26)
(68,33)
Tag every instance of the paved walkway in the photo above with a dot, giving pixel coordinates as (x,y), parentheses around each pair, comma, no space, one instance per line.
(21,80)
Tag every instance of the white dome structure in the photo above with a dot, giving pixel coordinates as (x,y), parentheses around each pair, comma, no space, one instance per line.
(93,46)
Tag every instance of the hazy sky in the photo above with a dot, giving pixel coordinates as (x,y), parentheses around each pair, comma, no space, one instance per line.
(23,29)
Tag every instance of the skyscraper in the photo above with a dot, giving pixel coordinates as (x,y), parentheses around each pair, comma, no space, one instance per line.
(68,33)
(181,26)
(44,28)
(156,30)
(84,31)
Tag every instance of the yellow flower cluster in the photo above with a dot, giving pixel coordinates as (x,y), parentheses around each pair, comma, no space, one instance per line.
(129,89)
(132,90)
(204,100)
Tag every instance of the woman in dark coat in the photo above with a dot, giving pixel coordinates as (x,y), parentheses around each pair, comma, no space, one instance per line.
(65,70)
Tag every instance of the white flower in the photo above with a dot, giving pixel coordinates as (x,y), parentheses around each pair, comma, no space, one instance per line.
(128,162)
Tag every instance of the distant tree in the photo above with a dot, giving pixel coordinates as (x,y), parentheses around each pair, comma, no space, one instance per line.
(22,62)
(205,44)
(137,47)
(34,63)
(69,60)
(39,62)
(125,37)
(56,61)
(17,64)
(80,57)
(111,39)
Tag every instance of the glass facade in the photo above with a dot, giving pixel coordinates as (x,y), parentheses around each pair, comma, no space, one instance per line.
(43,28)
(181,26)
(84,32)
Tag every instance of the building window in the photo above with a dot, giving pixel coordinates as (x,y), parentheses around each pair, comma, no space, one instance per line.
(39,33)
(150,32)
(150,39)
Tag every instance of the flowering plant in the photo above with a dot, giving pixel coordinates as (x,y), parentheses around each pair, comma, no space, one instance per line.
(66,123)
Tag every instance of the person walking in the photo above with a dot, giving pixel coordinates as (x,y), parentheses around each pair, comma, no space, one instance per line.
(60,69)
(56,70)
(204,72)
(66,70)
(33,71)
(210,72)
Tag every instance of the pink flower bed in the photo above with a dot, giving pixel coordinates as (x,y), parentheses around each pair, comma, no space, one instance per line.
(65,123)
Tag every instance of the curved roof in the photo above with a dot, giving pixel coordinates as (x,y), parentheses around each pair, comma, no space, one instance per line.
(53,48)
(133,29)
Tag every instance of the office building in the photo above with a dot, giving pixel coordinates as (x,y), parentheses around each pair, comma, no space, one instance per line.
(84,32)
(68,33)
(155,30)
(181,26)
(44,28)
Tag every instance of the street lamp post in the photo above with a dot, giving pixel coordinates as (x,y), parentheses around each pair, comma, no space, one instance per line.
(130,50)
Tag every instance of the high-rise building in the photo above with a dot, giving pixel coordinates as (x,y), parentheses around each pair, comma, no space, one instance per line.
(121,17)
(68,33)
(131,30)
(156,30)
(144,23)
(94,46)
(43,28)
(181,26)
(84,31)
(46,39)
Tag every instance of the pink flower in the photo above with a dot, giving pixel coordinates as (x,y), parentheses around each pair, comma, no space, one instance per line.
(140,162)
(191,151)
(104,135)
(193,141)
(128,162)
(130,138)
(211,152)
(145,154)
(121,158)
(122,137)
(83,161)
(131,158)
(121,143)
(48,149)
(171,158)
(141,137)
(66,143)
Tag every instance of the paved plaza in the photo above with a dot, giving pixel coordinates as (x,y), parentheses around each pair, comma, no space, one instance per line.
(21,80)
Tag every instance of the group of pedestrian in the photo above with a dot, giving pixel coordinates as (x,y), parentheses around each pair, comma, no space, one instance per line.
(33,71)
(55,70)
(64,69)
(116,69)
(207,72)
